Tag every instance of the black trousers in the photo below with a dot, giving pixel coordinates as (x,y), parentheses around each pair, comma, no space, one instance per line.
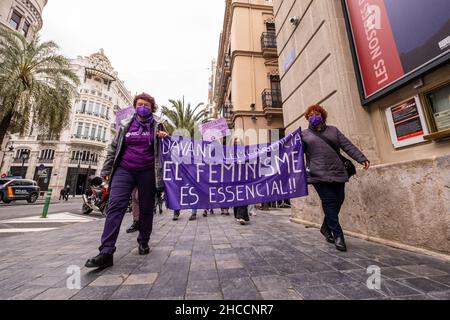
(241,213)
(332,195)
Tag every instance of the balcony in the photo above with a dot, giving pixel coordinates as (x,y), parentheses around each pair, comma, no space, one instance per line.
(47,138)
(46,161)
(20,161)
(84,162)
(227,65)
(271,99)
(87,139)
(269,45)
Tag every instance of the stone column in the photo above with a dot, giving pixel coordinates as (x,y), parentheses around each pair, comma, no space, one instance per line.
(59,174)
(32,164)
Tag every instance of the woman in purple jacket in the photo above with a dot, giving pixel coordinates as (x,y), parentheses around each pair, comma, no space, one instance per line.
(326,170)
(132,162)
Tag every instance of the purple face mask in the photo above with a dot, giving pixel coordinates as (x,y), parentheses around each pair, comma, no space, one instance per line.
(143,112)
(315,120)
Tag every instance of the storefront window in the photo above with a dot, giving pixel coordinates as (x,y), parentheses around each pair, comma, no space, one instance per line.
(439,102)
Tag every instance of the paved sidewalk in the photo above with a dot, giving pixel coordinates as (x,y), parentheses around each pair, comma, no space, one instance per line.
(215,258)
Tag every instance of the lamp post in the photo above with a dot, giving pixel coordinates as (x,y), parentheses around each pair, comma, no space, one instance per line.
(25,156)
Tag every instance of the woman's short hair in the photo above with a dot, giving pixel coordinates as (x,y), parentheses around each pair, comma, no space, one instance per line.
(316,108)
(145,97)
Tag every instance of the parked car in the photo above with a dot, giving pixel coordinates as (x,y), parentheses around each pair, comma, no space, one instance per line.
(18,189)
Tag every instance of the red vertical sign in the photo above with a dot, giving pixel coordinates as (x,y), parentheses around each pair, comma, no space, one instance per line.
(377,52)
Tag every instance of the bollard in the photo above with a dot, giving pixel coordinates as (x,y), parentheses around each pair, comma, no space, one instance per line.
(47,203)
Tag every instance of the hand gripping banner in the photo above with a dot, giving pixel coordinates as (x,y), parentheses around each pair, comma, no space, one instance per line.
(204,175)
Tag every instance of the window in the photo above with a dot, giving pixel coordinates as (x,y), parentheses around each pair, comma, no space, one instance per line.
(99,133)
(104,134)
(15,20)
(97,109)
(26,28)
(80,129)
(87,128)
(93,131)
(83,106)
(270,27)
(439,104)
(90,107)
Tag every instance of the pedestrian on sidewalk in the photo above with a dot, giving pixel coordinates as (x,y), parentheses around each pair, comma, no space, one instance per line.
(176,215)
(326,170)
(133,161)
(241,213)
(67,193)
(135,211)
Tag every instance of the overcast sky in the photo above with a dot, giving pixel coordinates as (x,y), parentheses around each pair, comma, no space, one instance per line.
(162,47)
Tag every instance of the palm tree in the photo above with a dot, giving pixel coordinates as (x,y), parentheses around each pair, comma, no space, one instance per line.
(36,85)
(183,117)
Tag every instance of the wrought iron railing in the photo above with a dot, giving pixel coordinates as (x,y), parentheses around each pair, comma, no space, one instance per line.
(272,99)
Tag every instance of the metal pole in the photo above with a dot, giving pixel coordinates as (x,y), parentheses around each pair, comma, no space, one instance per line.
(47,203)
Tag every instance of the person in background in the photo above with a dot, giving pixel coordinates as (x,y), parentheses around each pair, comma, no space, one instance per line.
(67,193)
(205,213)
(326,171)
(176,215)
(133,161)
(241,213)
(135,211)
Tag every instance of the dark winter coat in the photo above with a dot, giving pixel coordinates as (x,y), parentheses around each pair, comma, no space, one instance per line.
(116,149)
(322,162)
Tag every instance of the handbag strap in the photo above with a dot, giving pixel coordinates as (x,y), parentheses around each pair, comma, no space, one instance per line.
(328,142)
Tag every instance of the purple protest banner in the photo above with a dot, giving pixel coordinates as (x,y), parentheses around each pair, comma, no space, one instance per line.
(123,114)
(204,175)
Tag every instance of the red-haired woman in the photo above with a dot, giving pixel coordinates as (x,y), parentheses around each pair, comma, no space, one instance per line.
(132,162)
(326,170)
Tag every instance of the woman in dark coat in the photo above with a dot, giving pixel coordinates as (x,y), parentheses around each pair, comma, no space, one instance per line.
(326,171)
(132,162)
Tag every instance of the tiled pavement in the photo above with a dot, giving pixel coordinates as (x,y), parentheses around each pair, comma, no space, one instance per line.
(215,258)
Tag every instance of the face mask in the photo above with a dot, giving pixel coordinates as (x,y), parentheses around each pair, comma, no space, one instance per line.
(143,112)
(315,120)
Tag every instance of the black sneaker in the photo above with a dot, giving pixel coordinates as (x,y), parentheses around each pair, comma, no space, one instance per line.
(193,217)
(134,227)
(101,261)
(205,213)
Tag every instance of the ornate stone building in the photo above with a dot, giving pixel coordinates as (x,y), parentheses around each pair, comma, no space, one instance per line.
(24,16)
(247,85)
(68,159)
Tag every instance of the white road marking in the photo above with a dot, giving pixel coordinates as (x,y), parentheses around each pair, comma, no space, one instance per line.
(64,217)
(25,230)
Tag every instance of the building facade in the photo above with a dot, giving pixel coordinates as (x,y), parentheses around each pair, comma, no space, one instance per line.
(333,53)
(24,16)
(80,150)
(247,87)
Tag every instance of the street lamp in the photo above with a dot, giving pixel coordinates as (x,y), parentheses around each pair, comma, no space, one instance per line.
(24,156)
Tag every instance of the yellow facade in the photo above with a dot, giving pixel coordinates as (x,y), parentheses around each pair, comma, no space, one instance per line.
(246,88)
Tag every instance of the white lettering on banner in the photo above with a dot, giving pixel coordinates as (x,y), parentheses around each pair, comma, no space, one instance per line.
(371,17)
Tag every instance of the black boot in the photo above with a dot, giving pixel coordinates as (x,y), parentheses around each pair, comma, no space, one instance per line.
(144,249)
(327,234)
(340,244)
(193,217)
(101,261)
(134,227)
(176,215)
